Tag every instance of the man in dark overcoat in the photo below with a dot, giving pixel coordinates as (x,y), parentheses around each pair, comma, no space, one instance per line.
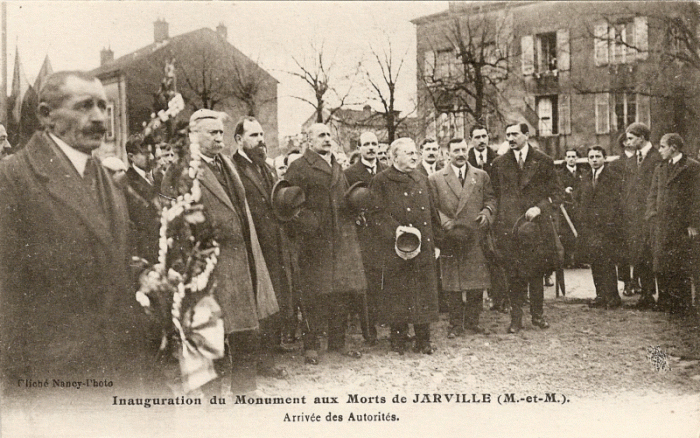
(243,287)
(142,198)
(67,306)
(599,216)
(527,189)
(330,261)
(466,204)
(673,211)
(362,171)
(258,179)
(409,286)
(570,175)
(482,156)
(634,202)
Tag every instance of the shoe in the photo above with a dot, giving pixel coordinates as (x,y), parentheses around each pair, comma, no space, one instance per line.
(353,354)
(478,330)
(311,357)
(274,372)
(540,322)
(453,332)
(425,348)
(399,346)
(614,303)
(629,290)
(548,282)
(372,342)
(646,302)
(514,328)
(597,303)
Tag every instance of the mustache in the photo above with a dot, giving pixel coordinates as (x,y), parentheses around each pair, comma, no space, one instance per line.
(95,130)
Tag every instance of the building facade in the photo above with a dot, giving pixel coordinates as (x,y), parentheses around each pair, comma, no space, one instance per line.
(577,72)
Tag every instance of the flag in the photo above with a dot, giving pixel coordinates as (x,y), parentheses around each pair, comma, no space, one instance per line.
(20,85)
(44,73)
(29,122)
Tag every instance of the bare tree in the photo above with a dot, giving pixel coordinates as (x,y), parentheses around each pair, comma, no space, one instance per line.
(467,77)
(202,76)
(319,75)
(383,87)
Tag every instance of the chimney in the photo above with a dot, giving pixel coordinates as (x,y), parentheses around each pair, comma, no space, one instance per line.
(222,31)
(160,31)
(106,55)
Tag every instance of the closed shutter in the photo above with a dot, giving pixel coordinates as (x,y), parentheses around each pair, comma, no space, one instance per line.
(601,44)
(602,113)
(527,45)
(429,65)
(563,51)
(641,37)
(564,114)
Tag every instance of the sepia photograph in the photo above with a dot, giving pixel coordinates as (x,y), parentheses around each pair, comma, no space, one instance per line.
(350,218)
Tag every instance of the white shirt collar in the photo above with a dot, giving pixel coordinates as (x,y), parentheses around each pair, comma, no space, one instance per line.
(141,172)
(429,167)
(645,150)
(571,169)
(629,154)
(368,164)
(677,158)
(457,169)
(596,173)
(77,158)
(244,155)
(207,159)
(523,152)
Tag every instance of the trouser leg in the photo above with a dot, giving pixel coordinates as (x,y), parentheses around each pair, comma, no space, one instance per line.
(270,339)
(536,287)
(499,286)
(314,311)
(337,309)
(473,307)
(455,307)
(244,356)
(422,333)
(517,287)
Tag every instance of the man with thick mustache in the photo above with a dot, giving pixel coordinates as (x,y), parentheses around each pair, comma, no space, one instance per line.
(67,304)
(430,152)
(528,190)
(258,179)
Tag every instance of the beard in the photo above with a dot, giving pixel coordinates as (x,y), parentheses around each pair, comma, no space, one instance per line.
(257,154)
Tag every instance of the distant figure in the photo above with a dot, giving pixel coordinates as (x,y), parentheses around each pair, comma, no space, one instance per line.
(5,146)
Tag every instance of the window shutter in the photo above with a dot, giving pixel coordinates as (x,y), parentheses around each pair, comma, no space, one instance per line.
(644,109)
(602,113)
(429,65)
(641,37)
(563,51)
(601,44)
(564,114)
(527,45)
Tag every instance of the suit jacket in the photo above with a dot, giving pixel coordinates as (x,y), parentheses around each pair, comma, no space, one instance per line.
(273,241)
(243,287)
(67,299)
(536,185)
(463,267)
(490,156)
(409,287)
(141,199)
(599,216)
(329,254)
(673,205)
(358,172)
(635,194)
(421,168)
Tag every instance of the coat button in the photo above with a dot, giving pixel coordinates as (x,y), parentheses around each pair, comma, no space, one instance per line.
(408,209)
(405,193)
(422,208)
(425,223)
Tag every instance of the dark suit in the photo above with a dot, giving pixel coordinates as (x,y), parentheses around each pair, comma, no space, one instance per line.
(634,204)
(673,205)
(142,200)
(243,287)
(438,165)
(626,167)
(499,285)
(67,303)
(573,180)
(329,254)
(536,185)
(365,235)
(274,246)
(599,215)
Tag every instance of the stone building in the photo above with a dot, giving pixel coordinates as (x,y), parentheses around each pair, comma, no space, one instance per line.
(577,72)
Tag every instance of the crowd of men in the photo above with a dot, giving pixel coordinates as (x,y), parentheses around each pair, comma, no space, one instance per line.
(383,239)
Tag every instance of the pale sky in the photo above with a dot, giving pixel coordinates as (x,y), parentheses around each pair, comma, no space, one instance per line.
(72,34)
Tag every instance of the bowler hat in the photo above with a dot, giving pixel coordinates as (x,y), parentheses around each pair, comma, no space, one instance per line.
(526,232)
(358,196)
(408,242)
(286,200)
(460,236)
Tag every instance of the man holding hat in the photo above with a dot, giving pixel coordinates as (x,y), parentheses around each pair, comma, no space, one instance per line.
(243,287)
(405,218)
(634,205)
(362,172)
(467,205)
(258,178)
(528,191)
(329,255)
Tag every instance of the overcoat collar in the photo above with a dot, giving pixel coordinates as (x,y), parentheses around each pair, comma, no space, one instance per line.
(463,193)
(65,185)
(677,169)
(395,175)
(529,167)
(315,161)
(249,171)
(210,181)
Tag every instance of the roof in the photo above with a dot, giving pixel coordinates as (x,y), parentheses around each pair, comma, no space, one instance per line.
(144,52)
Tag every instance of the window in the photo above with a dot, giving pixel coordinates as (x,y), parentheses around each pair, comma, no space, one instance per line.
(547,114)
(620,42)
(442,64)
(546,53)
(614,112)
(111,123)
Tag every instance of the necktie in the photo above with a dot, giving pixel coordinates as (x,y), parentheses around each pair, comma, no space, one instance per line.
(483,159)
(640,158)
(595,177)
(461,177)
(149,178)
(520,160)
(371,170)
(90,174)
